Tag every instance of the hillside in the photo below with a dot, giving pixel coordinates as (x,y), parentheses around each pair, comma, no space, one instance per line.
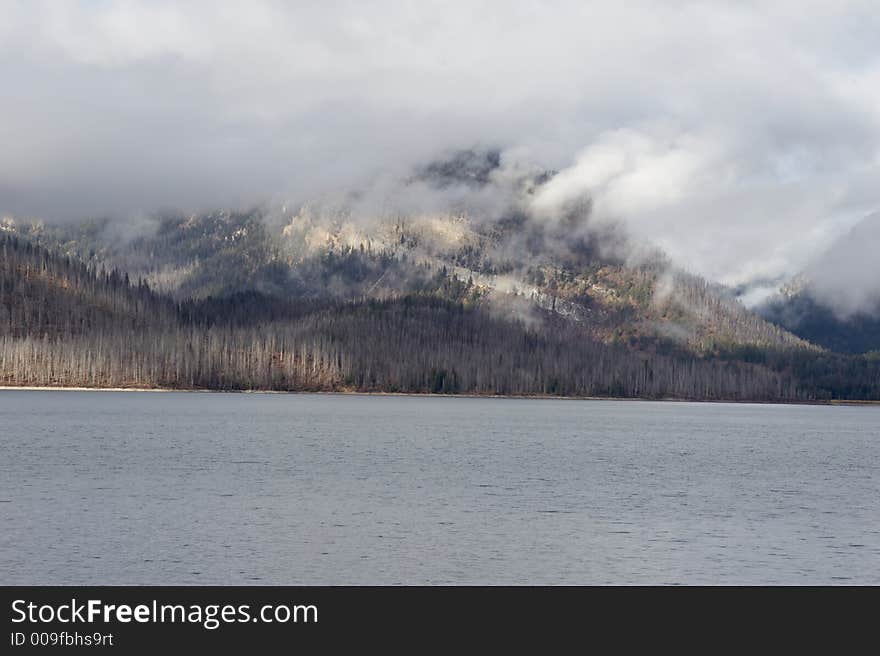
(123,335)
(65,323)
(816,322)
(513,265)
(835,302)
(481,296)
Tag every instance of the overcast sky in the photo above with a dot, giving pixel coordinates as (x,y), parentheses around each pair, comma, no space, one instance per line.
(741,137)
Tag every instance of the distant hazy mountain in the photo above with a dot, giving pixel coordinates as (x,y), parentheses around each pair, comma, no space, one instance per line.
(836,302)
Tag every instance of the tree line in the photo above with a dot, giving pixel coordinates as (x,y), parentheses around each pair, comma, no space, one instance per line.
(68,324)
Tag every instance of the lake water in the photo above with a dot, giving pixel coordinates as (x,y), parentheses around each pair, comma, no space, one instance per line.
(190,488)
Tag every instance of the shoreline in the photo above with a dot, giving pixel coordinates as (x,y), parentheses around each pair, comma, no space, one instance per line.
(537,397)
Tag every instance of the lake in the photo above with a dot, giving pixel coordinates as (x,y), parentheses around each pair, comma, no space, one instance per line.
(211,488)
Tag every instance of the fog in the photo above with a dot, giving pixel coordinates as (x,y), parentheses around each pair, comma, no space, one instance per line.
(742,138)
(846,277)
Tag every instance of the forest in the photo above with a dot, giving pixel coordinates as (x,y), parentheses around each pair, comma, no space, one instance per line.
(65,321)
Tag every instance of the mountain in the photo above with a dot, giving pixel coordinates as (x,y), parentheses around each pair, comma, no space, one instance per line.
(812,320)
(328,296)
(835,302)
(63,323)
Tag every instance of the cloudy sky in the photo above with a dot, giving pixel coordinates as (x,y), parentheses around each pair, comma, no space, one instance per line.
(742,137)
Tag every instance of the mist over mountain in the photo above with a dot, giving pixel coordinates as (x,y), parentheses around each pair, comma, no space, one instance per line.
(740,139)
(846,276)
(581,306)
(835,302)
(487,232)
(559,174)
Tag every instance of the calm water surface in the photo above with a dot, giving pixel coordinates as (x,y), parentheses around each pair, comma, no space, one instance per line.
(113,488)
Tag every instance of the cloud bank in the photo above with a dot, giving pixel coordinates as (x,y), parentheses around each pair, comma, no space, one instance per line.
(740,137)
(846,276)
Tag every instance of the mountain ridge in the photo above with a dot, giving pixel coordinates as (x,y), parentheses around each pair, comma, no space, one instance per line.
(436,265)
(443,328)
(832,302)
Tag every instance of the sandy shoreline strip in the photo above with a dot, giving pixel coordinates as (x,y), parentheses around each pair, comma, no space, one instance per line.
(33,388)
(59,388)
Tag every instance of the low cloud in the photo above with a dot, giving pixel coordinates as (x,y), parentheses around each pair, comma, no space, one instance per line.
(742,138)
(846,277)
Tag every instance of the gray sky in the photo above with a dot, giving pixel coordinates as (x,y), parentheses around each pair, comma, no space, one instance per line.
(741,137)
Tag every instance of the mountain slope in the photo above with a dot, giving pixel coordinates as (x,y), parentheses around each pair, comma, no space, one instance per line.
(130,336)
(835,302)
(359,292)
(126,335)
(506,264)
(813,321)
